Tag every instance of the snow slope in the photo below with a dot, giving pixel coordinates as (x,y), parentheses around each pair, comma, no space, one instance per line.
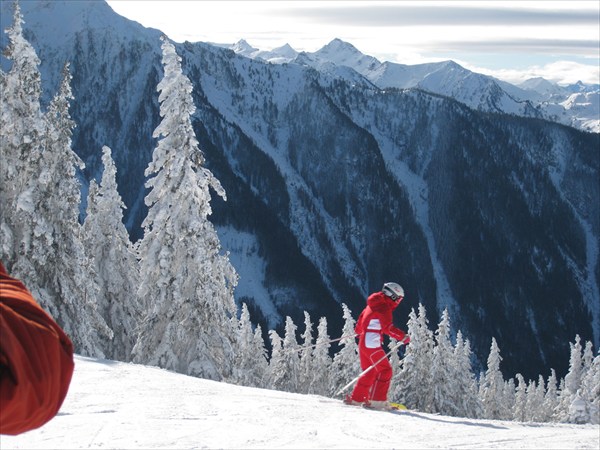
(118,405)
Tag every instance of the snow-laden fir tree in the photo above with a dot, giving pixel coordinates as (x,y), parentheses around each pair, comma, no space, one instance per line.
(550,398)
(277,373)
(535,401)
(519,411)
(443,372)
(115,261)
(578,409)
(465,394)
(413,384)
(507,400)
(21,133)
(587,358)
(261,372)
(305,366)
(65,266)
(41,197)
(572,381)
(321,361)
(492,386)
(285,368)
(251,365)
(583,378)
(345,365)
(590,391)
(186,282)
(394,351)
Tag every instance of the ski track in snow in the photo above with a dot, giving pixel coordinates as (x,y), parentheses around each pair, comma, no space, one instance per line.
(119,405)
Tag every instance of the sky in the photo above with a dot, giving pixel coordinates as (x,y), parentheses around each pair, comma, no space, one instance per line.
(115,405)
(512,40)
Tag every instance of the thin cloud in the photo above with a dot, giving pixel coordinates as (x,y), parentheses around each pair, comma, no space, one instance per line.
(399,14)
(520,45)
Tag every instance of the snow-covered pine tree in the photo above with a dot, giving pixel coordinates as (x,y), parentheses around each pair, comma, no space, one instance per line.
(465,391)
(250,367)
(519,411)
(590,391)
(186,281)
(535,401)
(278,373)
(492,386)
(65,265)
(321,361)
(289,380)
(394,360)
(572,381)
(550,398)
(587,359)
(413,383)
(305,366)
(261,370)
(578,410)
(115,261)
(583,376)
(21,134)
(507,401)
(443,372)
(345,365)
(43,201)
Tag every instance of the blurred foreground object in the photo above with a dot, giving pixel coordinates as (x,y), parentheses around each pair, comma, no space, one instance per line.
(36,360)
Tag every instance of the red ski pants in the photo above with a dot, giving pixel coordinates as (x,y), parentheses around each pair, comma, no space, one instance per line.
(374,384)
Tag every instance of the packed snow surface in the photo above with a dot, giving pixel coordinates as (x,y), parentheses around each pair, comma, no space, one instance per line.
(118,405)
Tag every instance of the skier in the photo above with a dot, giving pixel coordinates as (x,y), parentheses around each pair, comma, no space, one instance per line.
(376,320)
(36,360)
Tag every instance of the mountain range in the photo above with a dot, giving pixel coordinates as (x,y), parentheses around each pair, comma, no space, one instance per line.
(576,105)
(343,173)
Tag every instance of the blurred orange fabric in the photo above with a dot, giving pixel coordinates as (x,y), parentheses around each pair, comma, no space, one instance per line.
(36,360)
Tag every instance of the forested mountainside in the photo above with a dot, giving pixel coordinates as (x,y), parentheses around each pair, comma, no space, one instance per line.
(336,187)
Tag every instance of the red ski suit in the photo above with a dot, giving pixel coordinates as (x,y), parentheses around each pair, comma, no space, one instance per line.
(36,360)
(372,324)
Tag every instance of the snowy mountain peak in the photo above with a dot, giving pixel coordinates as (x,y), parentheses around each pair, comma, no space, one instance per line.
(345,54)
(278,55)
(285,50)
(242,47)
(582,87)
(541,86)
(60,20)
(535,82)
(451,65)
(337,45)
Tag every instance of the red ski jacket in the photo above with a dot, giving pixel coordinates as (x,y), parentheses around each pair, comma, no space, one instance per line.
(376,320)
(36,360)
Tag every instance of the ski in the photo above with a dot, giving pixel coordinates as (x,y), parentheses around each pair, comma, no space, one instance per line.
(399,406)
(393,406)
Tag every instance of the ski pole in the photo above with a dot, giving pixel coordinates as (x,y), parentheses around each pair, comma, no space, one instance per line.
(341,391)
